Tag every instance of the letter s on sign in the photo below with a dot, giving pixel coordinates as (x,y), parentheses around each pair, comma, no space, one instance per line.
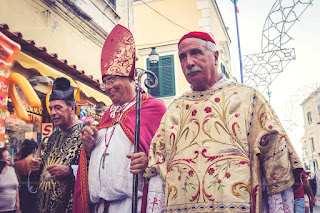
(47,130)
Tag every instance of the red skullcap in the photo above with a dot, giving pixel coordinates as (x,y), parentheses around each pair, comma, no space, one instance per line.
(196,34)
(118,53)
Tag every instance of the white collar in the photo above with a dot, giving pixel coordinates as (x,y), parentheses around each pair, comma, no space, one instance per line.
(120,108)
(221,82)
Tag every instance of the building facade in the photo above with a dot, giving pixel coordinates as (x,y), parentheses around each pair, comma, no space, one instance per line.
(58,38)
(160,24)
(311,139)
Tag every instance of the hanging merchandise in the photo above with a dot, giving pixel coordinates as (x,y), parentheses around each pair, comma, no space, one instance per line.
(16,78)
(83,113)
(8,52)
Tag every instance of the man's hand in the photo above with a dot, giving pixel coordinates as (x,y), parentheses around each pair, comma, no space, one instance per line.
(35,164)
(313,201)
(17,207)
(139,162)
(58,171)
(88,137)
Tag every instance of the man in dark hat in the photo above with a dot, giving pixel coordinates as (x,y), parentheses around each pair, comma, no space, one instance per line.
(217,143)
(62,151)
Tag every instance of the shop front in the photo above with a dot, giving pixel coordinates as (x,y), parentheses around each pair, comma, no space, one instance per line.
(41,73)
(17,130)
(39,126)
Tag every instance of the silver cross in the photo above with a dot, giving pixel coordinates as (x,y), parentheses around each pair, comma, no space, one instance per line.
(104,157)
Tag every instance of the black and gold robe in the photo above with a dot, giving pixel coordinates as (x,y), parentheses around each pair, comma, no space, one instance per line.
(63,147)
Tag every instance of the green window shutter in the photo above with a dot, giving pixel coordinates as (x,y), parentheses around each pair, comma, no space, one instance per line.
(164,70)
(167,70)
(223,70)
(155,69)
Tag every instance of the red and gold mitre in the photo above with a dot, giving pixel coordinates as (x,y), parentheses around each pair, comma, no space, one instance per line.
(118,53)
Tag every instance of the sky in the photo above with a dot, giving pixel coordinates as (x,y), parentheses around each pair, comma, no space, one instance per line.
(301,75)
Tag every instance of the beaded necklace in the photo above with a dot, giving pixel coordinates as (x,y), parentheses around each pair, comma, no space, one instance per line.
(119,109)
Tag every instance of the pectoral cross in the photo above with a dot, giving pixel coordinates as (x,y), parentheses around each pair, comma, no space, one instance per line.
(104,157)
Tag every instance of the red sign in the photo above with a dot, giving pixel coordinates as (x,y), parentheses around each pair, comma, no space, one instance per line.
(46,131)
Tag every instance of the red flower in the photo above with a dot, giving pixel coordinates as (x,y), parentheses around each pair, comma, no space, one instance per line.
(185,184)
(159,135)
(217,100)
(270,126)
(177,106)
(196,103)
(190,173)
(194,112)
(227,175)
(179,178)
(211,171)
(187,106)
(235,92)
(207,109)
(172,127)
(237,115)
(219,181)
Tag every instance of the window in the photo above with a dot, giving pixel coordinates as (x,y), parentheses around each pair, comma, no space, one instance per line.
(315,165)
(112,2)
(309,117)
(223,70)
(307,166)
(312,144)
(164,70)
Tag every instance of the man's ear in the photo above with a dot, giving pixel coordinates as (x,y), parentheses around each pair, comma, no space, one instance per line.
(73,108)
(131,79)
(216,55)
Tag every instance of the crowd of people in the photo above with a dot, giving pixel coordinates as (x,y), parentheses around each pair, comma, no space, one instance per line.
(218,148)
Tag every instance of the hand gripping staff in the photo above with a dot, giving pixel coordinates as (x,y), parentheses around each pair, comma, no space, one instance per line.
(8,52)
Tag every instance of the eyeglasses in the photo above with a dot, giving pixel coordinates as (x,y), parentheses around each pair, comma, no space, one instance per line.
(108,82)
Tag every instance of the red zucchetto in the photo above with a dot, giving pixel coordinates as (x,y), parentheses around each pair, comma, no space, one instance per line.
(118,53)
(196,34)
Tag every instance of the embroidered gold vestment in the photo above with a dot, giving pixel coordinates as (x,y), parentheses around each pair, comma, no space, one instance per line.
(211,147)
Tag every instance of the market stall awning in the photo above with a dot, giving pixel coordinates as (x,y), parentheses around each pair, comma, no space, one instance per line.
(30,63)
(90,92)
(30,47)
(45,70)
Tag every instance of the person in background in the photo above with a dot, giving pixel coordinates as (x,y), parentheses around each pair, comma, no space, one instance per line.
(22,167)
(316,207)
(9,192)
(307,197)
(2,165)
(302,192)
